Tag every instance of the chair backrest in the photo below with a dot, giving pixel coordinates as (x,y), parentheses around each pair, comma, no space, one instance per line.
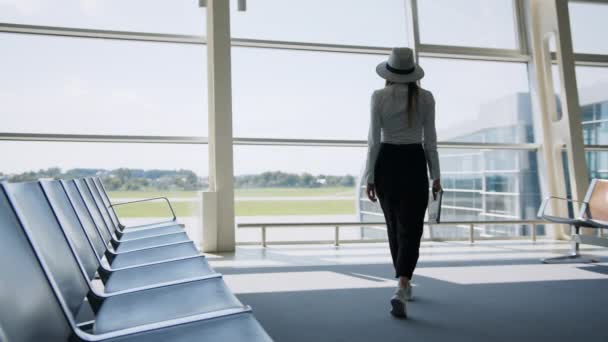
(29,308)
(597,199)
(106,199)
(93,231)
(41,226)
(71,226)
(93,209)
(99,202)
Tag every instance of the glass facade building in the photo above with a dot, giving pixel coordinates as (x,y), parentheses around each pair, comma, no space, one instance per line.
(594,111)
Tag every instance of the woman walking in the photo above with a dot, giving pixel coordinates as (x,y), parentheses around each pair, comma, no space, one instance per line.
(402,142)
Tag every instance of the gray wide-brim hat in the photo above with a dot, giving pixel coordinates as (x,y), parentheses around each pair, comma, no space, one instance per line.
(400,67)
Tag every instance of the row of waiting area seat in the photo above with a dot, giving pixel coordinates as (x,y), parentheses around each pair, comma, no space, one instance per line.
(70,271)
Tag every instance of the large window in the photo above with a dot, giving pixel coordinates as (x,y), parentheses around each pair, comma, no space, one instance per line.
(152,16)
(476,23)
(593,99)
(288,88)
(20,157)
(588,26)
(486,102)
(97,86)
(301,94)
(129,172)
(351,22)
(296,184)
(597,162)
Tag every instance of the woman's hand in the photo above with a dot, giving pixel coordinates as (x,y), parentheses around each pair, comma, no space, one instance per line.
(436,188)
(371,192)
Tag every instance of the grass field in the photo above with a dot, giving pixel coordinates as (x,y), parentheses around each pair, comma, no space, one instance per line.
(148,194)
(254,192)
(278,208)
(244,207)
(295,192)
(157,209)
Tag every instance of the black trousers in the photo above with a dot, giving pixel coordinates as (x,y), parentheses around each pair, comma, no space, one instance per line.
(402,187)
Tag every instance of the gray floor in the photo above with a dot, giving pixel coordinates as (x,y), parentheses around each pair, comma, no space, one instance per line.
(493,291)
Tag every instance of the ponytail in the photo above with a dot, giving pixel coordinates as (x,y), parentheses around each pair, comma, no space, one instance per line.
(412,101)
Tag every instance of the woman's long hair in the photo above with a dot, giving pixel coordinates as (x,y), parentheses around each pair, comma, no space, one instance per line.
(412,99)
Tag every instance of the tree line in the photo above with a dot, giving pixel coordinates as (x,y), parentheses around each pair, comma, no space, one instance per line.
(280,179)
(121,179)
(124,179)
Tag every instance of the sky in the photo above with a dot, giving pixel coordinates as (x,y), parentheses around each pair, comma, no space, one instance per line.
(93,86)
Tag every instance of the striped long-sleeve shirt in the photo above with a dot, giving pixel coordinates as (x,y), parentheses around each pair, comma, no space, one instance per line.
(389,124)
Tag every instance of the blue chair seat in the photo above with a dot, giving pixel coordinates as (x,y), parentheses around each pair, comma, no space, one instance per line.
(164,303)
(157,274)
(152,231)
(151,255)
(154,241)
(241,327)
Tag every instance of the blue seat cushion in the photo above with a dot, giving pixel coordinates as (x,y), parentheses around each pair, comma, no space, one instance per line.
(241,327)
(157,274)
(143,233)
(150,255)
(162,304)
(153,241)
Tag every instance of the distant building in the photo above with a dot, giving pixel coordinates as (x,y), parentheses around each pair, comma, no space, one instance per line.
(594,112)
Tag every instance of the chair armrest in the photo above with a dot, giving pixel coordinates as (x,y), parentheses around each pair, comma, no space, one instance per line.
(148,200)
(558,219)
(598,224)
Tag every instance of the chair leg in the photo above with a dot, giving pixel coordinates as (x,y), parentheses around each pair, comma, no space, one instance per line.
(574,257)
